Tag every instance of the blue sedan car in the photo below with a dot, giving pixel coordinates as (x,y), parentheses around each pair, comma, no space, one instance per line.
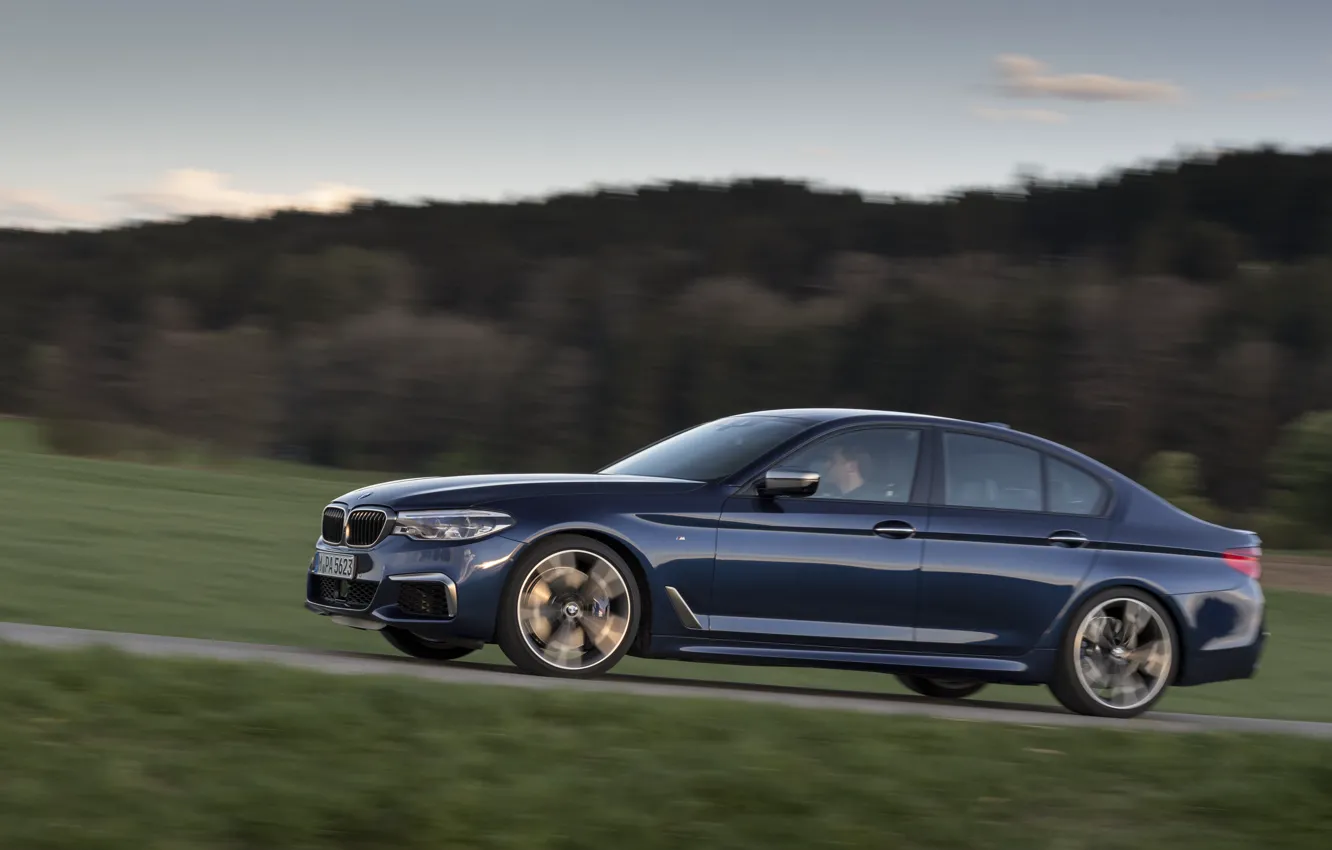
(949,553)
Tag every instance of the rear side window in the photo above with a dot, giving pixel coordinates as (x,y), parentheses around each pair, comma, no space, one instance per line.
(1071,491)
(983,473)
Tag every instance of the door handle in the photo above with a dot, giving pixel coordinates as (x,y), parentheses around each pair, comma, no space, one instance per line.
(895,528)
(1068,539)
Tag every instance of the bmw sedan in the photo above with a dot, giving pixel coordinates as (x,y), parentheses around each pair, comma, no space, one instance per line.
(951,554)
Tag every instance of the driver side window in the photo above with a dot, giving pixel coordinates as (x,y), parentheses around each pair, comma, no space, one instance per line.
(867,465)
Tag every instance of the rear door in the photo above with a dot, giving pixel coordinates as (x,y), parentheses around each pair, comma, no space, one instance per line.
(1012,532)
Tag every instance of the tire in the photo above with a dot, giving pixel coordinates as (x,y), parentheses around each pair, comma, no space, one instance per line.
(1120,638)
(553,623)
(940,688)
(409,644)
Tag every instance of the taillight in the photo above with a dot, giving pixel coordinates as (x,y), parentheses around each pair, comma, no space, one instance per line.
(1248,561)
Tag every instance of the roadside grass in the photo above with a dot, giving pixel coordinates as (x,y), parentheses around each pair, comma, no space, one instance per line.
(221,554)
(100,751)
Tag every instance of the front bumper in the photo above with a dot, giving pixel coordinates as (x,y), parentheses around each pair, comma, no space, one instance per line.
(437,590)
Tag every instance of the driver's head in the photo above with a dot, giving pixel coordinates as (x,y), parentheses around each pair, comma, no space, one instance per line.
(848,467)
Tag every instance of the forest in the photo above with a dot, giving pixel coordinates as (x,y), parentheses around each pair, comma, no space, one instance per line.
(1173,319)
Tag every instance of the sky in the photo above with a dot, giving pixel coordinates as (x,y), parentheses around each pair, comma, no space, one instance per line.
(142,109)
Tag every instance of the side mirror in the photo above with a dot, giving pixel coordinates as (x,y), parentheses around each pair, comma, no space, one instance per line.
(788,482)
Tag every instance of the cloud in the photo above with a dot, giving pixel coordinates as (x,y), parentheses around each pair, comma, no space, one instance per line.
(194,192)
(818,152)
(1023,76)
(1266,94)
(183,192)
(1036,116)
(34,208)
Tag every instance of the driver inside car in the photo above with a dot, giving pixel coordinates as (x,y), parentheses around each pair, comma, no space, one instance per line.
(844,471)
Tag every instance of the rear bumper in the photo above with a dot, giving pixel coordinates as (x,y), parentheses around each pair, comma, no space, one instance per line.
(1225,664)
(1224,634)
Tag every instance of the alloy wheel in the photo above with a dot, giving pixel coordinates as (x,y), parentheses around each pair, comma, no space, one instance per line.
(1124,655)
(574,610)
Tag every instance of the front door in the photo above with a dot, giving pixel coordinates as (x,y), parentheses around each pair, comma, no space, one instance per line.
(839,567)
(1013,533)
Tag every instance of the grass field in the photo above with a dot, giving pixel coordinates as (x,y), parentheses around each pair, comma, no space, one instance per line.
(105,752)
(221,554)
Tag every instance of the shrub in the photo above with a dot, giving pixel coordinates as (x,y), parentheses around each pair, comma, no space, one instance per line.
(1302,469)
(1176,477)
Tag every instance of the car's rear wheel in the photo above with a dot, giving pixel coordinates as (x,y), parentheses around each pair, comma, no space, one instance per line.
(941,688)
(570,609)
(1119,655)
(409,644)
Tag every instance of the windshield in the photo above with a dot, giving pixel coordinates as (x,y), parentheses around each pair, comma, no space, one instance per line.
(712,451)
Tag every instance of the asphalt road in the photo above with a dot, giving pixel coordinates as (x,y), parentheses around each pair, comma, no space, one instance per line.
(352,663)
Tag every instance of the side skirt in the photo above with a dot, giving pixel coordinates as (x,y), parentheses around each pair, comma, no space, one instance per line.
(703,644)
(1036,667)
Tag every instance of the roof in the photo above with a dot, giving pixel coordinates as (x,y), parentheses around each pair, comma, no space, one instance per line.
(828,414)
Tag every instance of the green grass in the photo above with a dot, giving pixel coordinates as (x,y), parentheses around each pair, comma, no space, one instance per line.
(221,554)
(105,752)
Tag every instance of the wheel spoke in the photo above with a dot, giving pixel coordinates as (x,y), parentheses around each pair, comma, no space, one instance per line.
(562,561)
(536,611)
(605,634)
(1128,690)
(1095,631)
(570,580)
(565,645)
(1151,658)
(1094,673)
(1141,687)
(539,593)
(604,581)
(1136,618)
(538,623)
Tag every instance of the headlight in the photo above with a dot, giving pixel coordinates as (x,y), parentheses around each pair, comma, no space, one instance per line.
(451,525)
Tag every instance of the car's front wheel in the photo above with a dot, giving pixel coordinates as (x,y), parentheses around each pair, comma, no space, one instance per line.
(941,688)
(571,609)
(1119,655)
(409,644)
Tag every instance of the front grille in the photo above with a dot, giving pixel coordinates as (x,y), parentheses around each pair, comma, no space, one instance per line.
(345,593)
(364,526)
(424,599)
(333,524)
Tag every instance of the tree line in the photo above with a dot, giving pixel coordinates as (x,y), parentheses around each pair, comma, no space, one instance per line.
(1184,308)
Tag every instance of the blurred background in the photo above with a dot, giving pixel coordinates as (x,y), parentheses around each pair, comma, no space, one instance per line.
(768,205)
(255,254)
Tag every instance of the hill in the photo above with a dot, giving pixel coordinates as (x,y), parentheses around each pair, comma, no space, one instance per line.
(1186,306)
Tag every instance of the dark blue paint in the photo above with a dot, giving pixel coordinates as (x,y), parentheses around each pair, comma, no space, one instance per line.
(997,595)
(807,582)
(817,562)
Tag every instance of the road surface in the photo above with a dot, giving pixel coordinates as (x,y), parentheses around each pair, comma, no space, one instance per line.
(352,663)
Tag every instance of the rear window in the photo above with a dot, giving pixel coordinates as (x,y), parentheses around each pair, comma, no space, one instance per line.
(981,472)
(984,473)
(1069,490)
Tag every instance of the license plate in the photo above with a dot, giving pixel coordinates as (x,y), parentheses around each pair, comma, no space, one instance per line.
(337,566)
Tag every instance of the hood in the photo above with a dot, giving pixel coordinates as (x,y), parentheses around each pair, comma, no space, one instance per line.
(461,491)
